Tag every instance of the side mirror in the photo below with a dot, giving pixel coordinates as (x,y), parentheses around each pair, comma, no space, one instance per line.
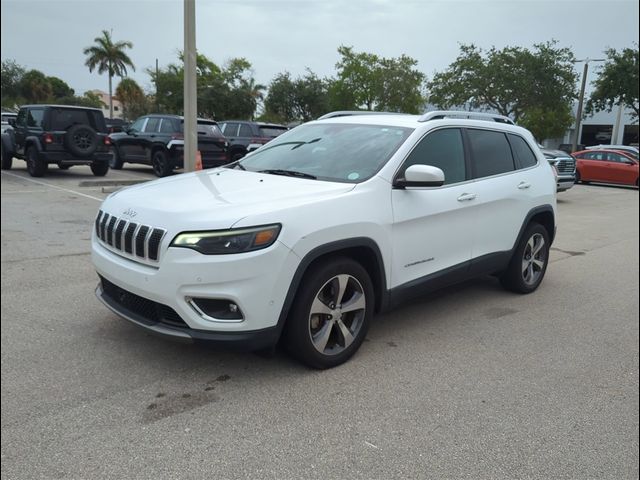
(12,122)
(421,176)
(629,162)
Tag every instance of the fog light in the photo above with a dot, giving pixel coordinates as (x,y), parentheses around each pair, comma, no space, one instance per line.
(216,310)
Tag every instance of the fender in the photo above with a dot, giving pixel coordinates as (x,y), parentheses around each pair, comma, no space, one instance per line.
(32,140)
(532,213)
(311,256)
(8,144)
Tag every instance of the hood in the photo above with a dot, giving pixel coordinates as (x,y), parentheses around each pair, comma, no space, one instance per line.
(215,198)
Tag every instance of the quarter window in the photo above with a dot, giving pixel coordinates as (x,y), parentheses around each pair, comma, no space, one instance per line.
(491,153)
(443,149)
(34,118)
(525,158)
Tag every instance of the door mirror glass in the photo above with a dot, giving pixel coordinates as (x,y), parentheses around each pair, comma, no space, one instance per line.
(421,176)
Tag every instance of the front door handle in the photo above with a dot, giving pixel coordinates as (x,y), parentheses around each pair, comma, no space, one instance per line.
(466,197)
(523,185)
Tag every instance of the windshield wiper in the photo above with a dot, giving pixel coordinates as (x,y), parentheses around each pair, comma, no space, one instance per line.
(235,164)
(288,173)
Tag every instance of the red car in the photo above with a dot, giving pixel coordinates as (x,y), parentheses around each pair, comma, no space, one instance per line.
(606,166)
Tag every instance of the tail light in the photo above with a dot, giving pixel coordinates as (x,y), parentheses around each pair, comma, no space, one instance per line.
(47,138)
(177,136)
(260,140)
(107,141)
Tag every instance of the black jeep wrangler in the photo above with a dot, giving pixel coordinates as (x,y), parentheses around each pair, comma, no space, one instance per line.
(60,134)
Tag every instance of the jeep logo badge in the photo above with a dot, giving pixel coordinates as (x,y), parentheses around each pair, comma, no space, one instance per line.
(130,212)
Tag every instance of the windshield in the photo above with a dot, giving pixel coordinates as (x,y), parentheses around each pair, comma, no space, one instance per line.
(329,151)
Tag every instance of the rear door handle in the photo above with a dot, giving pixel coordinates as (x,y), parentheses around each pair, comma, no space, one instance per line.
(523,185)
(466,197)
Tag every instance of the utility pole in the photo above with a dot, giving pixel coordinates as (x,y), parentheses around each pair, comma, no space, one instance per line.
(157,96)
(190,92)
(586,61)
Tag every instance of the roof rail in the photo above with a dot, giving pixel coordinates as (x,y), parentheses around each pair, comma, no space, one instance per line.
(348,113)
(440,114)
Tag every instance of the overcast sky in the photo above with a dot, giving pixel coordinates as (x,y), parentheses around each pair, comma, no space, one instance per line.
(279,35)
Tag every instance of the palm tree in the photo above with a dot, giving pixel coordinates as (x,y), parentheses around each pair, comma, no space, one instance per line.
(106,56)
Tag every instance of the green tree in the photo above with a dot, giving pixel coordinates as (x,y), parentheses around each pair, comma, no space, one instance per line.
(10,79)
(222,92)
(133,99)
(368,81)
(89,99)
(108,57)
(280,105)
(617,82)
(536,88)
(35,86)
(60,88)
(358,80)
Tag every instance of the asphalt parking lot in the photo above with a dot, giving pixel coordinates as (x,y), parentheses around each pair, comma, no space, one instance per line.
(472,382)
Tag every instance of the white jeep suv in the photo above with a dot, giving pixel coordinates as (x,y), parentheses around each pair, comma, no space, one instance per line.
(309,236)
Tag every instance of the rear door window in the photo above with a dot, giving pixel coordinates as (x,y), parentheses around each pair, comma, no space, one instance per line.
(245,131)
(167,126)
(152,125)
(230,129)
(491,153)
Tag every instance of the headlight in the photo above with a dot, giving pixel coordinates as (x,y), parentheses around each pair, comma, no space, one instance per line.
(236,240)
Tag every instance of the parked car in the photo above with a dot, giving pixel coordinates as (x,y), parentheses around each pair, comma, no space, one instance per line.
(606,166)
(245,137)
(334,220)
(565,166)
(60,134)
(116,124)
(158,140)
(6,116)
(625,148)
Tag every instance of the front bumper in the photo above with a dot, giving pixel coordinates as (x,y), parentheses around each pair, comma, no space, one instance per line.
(565,183)
(244,341)
(257,282)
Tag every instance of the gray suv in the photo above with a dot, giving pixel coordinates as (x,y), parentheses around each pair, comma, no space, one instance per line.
(565,166)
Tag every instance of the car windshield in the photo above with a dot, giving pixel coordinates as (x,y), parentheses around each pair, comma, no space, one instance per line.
(329,151)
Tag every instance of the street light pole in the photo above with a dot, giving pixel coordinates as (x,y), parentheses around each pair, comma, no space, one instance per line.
(586,61)
(190,92)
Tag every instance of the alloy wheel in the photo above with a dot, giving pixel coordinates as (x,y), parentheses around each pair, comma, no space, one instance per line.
(533,259)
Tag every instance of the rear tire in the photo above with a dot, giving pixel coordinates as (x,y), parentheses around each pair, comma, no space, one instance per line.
(577,176)
(160,164)
(529,261)
(331,313)
(100,169)
(35,166)
(6,158)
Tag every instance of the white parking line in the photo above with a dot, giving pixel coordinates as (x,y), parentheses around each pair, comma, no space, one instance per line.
(52,186)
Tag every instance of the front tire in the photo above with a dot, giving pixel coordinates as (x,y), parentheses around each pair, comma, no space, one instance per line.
(160,164)
(529,262)
(116,161)
(100,169)
(331,313)
(35,166)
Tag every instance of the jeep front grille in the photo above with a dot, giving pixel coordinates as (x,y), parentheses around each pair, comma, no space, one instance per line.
(133,239)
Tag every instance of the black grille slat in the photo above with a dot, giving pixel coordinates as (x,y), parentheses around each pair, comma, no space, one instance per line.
(154,243)
(112,223)
(118,234)
(128,237)
(149,310)
(140,240)
(98,222)
(132,238)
